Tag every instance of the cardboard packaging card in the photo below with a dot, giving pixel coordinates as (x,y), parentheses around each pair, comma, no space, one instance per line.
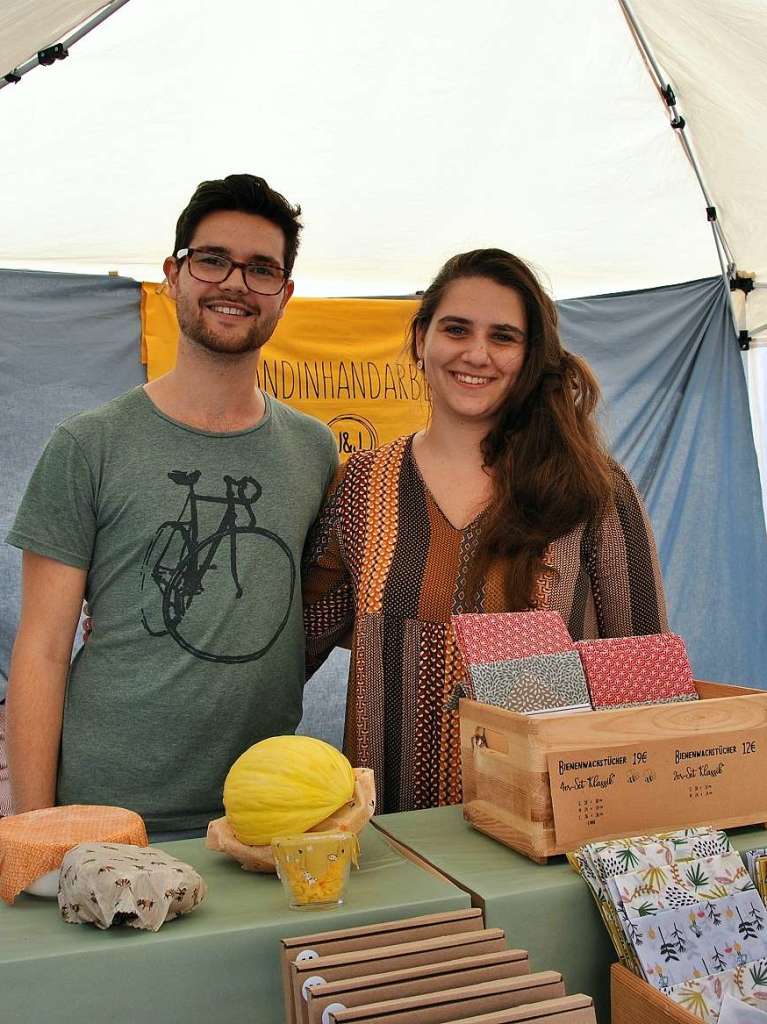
(340,966)
(453,1004)
(576,1009)
(375,988)
(384,933)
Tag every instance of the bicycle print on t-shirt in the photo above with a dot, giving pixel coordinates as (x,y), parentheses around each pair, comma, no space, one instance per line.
(192,574)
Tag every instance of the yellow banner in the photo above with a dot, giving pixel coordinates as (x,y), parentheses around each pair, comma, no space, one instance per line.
(341,360)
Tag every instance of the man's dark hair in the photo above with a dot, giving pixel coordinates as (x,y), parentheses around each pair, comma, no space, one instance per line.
(244,193)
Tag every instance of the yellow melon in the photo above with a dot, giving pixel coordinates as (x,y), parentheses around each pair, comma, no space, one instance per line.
(285,785)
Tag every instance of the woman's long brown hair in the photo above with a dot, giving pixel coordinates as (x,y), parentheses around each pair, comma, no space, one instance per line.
(550,469)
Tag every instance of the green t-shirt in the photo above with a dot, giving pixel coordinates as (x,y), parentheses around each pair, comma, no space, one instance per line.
(192,542)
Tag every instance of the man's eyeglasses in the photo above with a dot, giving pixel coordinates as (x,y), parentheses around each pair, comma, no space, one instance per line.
(212,268)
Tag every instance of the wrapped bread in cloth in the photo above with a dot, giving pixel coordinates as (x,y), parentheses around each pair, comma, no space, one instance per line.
(111,883)
(287,785)
(35,843)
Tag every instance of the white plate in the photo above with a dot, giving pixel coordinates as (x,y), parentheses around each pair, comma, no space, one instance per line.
(46,886)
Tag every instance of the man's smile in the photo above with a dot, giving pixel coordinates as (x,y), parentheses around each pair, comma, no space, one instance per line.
(226,309)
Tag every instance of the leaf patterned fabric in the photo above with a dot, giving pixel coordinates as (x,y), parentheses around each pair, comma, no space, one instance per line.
(686,917)
(702,997)
(598,863)
(618,856)
(707,938)
(682,884)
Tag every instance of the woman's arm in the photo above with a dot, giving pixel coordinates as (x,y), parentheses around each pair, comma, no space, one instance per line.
(328,591)
(51,598)
(624,568)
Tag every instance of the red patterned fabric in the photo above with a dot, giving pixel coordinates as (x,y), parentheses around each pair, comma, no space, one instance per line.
(637,669)
(507,635)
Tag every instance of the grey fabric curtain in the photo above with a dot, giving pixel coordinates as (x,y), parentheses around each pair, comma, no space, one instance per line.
(67,343)
(676,415)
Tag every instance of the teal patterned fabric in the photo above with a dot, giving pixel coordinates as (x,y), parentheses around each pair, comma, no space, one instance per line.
(544,682)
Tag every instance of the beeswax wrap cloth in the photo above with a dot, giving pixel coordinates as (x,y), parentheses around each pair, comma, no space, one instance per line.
(617,856)
(501,636)
(681,885)
(702,997)
(117,883)
(735,1012)
(637,669)
(600,862)
(756,864)
(34,843)
(708,938)
(540,683)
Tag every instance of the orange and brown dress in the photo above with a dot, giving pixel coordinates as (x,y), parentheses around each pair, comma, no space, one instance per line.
(384,561)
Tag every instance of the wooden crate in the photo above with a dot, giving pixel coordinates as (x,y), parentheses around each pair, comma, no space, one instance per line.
(633,1001)
(508,760)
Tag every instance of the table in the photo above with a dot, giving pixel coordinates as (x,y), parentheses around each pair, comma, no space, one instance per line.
(220,963)
(544,908)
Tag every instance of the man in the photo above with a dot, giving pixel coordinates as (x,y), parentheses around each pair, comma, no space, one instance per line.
(179,511)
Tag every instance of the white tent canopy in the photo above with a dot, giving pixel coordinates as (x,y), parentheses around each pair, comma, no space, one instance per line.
(407,132)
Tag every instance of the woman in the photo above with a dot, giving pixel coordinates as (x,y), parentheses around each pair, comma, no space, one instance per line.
(506,501)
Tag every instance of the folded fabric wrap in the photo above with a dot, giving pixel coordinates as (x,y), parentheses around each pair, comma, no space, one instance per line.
(112,883)
(545,682)
(34,843)
(501,636)
(637,670)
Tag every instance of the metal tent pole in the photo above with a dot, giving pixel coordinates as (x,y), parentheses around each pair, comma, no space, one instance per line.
(732,279)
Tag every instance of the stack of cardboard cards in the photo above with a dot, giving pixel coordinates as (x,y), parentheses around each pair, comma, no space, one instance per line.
(421,970)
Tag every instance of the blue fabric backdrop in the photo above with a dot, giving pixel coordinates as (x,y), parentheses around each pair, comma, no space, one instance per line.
(676,414)
(68,342)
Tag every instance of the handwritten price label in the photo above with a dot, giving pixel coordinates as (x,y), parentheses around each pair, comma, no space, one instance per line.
(658,784)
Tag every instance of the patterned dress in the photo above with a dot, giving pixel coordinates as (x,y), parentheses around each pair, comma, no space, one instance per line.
(384,562)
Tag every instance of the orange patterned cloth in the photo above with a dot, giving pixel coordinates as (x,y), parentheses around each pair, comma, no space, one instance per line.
(34,843)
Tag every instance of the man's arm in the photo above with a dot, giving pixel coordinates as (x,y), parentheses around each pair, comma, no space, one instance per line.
(51,599)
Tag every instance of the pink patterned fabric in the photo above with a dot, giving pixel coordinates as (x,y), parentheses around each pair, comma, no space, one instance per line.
(637,669)
(501,636)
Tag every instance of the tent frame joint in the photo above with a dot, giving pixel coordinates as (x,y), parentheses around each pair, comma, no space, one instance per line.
(51,54)
(742,283)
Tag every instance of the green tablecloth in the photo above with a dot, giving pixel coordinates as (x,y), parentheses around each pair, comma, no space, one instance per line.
(219,964)
(546,909)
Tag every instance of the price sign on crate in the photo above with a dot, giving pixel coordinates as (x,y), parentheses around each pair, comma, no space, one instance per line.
(656,784)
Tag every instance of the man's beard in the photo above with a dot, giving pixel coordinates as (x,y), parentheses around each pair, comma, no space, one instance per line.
(192,327)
